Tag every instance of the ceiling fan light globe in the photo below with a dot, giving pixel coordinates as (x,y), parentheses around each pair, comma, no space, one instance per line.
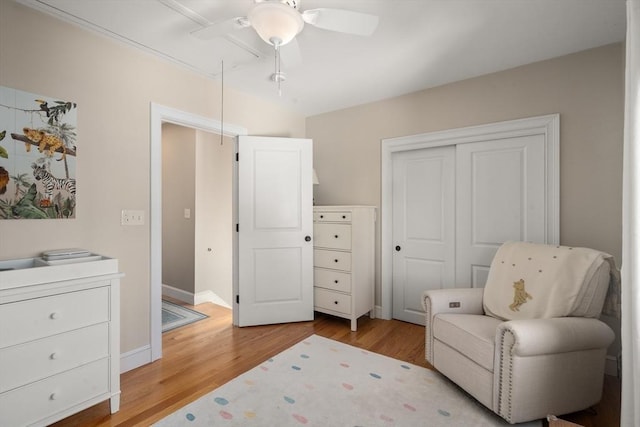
(275,21)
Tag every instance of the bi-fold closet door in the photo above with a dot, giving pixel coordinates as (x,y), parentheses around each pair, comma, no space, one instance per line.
(454,205)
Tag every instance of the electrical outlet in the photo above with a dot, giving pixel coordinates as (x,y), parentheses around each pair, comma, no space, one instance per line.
(187,213)
(131,217)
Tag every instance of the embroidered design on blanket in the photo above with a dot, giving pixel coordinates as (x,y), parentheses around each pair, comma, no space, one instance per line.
(520,295)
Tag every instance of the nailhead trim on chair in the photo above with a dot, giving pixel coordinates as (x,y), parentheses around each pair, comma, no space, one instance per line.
(428,337)
(506,375)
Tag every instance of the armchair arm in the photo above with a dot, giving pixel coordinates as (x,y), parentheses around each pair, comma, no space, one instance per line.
(459,300)
(559,360)
(534,337)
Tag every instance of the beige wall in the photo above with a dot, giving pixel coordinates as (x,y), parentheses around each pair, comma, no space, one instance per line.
(113,85)
(197,252)
(214,218)
(178,194)
(586,88)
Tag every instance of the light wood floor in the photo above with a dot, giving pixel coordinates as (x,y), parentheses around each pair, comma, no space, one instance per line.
(202,356)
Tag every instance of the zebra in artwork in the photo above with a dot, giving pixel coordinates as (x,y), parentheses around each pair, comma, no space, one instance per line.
(50,182)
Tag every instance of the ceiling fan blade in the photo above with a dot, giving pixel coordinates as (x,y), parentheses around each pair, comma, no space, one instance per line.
(344,21)
(221,28)
(290,54)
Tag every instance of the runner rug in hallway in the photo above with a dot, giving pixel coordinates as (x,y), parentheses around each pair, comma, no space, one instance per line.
(321,382)
(174,316)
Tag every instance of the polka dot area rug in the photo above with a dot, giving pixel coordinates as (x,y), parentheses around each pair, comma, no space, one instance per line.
(321,382)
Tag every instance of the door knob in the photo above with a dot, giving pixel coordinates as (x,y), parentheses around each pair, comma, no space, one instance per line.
(398,248)
(307,238)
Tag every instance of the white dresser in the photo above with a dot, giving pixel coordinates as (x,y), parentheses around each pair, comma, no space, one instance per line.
(59,338)
(344,261)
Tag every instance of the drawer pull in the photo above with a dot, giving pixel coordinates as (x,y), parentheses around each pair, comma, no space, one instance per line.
(54,316)
(335,281)
(336,236)
(335,260)
(335,302)
(344,217)
(53,396)
(53,356)
(321,216)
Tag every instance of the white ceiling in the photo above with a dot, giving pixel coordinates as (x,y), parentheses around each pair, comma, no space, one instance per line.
(418,43)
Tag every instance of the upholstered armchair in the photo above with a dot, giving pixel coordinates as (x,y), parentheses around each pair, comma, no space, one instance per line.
(529,343)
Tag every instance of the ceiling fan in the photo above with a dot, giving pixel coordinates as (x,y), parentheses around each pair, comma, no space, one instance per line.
(278,22)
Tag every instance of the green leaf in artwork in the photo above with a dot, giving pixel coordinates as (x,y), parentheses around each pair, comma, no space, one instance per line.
(30,212)
(26,208)
(3,134)
(3,153)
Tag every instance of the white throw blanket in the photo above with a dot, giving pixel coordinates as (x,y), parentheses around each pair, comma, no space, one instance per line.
(528,280)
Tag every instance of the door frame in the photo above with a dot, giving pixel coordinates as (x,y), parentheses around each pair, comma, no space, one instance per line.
(159,115)
(547,125)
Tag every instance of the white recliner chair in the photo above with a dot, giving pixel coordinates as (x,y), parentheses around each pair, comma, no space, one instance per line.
(529,344)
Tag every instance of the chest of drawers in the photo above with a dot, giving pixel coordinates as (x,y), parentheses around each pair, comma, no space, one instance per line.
(59,339)
(344,261)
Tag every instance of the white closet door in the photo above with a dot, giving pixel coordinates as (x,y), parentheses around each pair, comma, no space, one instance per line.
(500,187)
(423,227)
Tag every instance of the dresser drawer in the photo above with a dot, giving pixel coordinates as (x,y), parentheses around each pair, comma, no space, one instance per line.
(40,317)
(331,279)
(333,301)
(332,216)
(29,362)
(334,236)
(332,259)
(47,397)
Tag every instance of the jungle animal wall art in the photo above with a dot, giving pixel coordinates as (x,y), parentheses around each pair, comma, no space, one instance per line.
(51,183)
(44,140)
(37,184)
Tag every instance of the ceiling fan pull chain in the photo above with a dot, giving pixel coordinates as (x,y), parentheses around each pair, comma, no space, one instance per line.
(278,68)
(222,103)
(277,75)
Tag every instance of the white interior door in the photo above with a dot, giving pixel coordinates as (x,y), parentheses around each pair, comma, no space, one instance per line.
(275,217)
(500,186)
(423,227)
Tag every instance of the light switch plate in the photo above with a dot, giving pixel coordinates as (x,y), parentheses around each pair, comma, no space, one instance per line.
(132,217)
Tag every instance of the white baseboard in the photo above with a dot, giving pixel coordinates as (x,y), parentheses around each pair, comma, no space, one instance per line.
(135,358)
(210,296)
(378,312)
(179,294)
(193,299)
